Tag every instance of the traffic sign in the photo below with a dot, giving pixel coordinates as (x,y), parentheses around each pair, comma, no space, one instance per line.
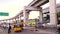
(4,14)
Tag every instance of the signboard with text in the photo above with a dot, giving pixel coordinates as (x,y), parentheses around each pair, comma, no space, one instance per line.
(4,14)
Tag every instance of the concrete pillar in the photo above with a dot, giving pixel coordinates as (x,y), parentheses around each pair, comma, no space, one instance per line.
(52,8)
(15,19)
(8,21)
(20,18)
(41,15)
(25,15)
(12,19)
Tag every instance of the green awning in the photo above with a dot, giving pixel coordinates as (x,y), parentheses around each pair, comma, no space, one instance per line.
(4,14)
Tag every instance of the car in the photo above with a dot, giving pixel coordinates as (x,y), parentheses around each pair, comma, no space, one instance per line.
(17,29)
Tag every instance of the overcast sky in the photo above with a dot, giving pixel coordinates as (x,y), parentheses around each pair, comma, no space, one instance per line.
(13,7)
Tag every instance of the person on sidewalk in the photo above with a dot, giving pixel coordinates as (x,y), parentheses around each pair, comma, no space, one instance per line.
(9,29)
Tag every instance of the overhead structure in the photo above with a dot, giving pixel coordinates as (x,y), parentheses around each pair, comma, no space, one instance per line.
(33,3)
(35,6)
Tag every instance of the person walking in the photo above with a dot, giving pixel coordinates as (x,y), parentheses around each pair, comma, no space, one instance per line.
(9,29)
(39,20)
(36,23)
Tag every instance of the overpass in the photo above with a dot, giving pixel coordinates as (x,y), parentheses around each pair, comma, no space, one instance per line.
(35,6)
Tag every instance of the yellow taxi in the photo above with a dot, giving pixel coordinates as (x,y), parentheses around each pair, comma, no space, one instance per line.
(17,29)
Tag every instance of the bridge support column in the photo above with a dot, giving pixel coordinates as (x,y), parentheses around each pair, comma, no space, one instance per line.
(12,20)
(25,15)
(52,8)
(16,20)
(20,18)
(41,15)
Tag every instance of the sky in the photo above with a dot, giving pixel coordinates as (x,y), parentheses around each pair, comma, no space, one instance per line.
(13,7)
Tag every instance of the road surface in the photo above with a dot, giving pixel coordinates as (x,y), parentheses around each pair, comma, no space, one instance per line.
(4,31)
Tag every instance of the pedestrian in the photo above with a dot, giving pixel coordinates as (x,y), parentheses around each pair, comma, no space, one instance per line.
(39,20)
(22,24)
(9,29)
(35,25)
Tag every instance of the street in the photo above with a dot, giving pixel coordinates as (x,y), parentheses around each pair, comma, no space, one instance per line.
(5,31)
(2,31)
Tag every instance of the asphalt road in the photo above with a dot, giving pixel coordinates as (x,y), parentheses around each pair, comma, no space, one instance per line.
(12,32)
(4,31)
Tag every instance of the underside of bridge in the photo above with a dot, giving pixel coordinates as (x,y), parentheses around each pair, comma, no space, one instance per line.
(35,6)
